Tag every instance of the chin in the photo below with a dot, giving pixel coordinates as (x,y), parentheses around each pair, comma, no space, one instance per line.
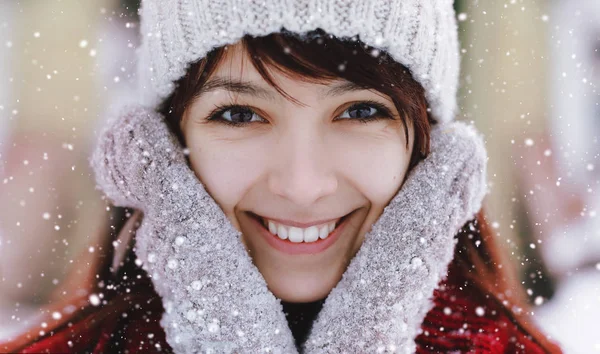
(301,289)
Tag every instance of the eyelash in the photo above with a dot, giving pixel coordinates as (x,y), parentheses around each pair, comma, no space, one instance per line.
(382,113)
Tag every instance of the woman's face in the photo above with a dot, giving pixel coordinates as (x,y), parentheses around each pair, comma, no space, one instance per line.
(303,181)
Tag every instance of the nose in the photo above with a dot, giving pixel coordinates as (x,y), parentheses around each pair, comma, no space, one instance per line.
(302,172)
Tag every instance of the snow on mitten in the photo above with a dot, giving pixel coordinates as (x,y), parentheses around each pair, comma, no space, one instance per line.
(384,294)
(215,299)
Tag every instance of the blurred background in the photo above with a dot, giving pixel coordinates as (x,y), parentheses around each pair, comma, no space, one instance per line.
(530,83)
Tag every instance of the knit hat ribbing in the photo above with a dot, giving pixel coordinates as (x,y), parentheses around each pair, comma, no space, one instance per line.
(420,34)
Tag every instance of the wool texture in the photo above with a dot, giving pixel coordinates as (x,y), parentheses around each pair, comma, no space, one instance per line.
(215,298)
(420,34)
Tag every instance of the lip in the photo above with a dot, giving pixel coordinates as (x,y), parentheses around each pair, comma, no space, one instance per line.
(302,225)
(292,248)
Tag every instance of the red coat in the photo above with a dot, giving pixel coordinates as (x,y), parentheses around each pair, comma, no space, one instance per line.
(129,323)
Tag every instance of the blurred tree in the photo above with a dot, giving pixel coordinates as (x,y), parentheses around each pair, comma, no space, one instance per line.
(504,65)
(50,212)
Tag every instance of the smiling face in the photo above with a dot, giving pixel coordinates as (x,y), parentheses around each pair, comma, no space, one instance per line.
(302,177)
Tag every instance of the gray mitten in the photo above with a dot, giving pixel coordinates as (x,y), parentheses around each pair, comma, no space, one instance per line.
(384,295)
(215,299)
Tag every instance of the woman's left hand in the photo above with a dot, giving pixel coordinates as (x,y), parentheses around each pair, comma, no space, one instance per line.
(379,304)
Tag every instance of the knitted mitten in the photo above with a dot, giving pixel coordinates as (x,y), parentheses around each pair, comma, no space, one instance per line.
(215,299)
(383,297)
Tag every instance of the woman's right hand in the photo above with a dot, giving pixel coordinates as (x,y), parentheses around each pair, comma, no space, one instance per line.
(214,296)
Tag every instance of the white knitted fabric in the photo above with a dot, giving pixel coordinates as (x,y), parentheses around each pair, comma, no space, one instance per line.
(420,34)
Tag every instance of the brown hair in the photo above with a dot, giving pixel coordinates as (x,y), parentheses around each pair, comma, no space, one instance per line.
(319,57)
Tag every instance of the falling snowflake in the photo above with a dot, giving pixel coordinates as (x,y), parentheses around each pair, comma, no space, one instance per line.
(94,300)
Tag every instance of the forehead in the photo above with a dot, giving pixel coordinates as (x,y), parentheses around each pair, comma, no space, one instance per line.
(235,73)
(236,64)
(234,60)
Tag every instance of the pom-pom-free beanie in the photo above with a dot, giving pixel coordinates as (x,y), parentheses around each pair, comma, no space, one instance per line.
(420,34)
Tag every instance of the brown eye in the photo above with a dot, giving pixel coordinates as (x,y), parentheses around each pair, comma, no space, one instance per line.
(235,115)
(366,111)
(239,115)
(361,110)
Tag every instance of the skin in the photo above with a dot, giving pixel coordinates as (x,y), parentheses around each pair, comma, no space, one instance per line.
(300,161)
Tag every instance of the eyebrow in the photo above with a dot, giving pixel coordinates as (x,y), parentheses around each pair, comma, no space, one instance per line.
(251,89)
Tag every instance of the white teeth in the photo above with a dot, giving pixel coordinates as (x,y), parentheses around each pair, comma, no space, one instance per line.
(311,234)
(282,232)
(272,227)
(297,234)
(323,231)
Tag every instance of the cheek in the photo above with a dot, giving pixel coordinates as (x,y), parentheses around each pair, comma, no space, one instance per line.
(228,169)
(375,164)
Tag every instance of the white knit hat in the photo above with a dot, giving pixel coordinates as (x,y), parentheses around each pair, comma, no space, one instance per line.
(420,34)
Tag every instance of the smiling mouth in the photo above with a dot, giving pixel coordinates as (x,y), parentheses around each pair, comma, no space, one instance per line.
(296,234)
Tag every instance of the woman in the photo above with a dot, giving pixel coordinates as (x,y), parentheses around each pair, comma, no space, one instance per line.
(297,185)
